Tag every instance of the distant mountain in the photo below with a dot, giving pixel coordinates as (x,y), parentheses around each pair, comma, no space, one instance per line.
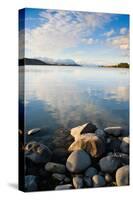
(29,61)
(47,61)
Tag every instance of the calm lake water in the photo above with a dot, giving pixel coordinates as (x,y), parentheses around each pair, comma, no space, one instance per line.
(58,98)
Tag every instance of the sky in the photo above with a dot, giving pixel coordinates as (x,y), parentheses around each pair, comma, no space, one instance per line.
(86,37)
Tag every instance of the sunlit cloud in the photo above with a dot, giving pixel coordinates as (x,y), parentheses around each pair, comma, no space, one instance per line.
(123,30)
(109,33)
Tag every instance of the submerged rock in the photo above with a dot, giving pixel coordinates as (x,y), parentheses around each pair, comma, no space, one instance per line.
(55,167)
(37,152)
(91,143)
(33,131)
(85,128)
(109,164)
(122,176)
(78,161)
(115,131)
(78,182)
(90,172)
(98,181)
(63,187)
(30,183)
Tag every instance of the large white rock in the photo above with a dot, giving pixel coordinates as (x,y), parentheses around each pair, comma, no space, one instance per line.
(85,128)
(122,176)
(78,161)
(91,143)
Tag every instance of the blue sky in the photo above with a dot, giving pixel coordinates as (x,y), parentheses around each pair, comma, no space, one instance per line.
(89,38)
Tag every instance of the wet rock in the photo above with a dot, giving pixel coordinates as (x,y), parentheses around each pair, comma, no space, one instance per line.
(30,183)
(63,187)
(91,143)
(37,152)
(88,181)
(115,131)
(78,182)
(90,172)
(122,157)
(108,178)
(78,161)
(85,128)
(67,180)
(125,145)
(58,177)
(59,155)
(109,164)
(55,167)
(33,131)
(100,133)
(98,181)
(114,145)
(122,176)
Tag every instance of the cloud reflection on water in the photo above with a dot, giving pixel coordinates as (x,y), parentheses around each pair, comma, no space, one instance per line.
(74,95)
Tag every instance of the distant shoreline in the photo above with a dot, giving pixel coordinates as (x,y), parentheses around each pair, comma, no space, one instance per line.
(120,65)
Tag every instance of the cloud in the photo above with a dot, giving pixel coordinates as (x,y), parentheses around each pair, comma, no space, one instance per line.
(121,42)
(89,41)
(62,30)
(123,30)
(109,33)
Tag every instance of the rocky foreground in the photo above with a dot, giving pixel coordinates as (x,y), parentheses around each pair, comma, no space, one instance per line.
(96,158)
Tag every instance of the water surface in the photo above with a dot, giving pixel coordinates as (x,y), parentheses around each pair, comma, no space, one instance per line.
(59,97)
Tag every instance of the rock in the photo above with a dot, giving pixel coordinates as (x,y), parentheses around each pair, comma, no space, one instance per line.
(78,161)
(125,145)
(101,173)
(122,176)
(122,157)
(78,182)
(108,178)
(33,131)
(67,180)
(88,181)
(30,183)
(90,172)
(37,152)
(115,131)
(58,177)
(63,187)
(55,167)
(100,133)
(91,143)
(109,164)
(85,128)
(98,181)
(114,145)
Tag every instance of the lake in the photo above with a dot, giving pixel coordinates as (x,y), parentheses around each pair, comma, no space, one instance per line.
(62,97)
